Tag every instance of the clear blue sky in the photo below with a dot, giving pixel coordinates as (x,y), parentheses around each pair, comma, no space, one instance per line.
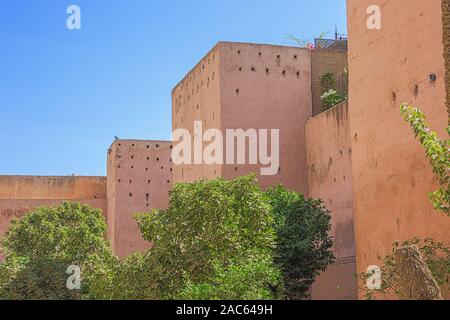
(65,94)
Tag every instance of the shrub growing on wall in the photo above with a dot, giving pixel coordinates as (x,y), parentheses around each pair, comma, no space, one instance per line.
(437,151)
(213,234)
(304,247)
(40,247)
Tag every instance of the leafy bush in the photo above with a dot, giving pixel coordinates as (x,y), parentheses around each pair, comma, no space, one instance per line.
(332,98)
(327,82)
(211,228)
(41,246)
(436,256)
(253,279)
(304,246)
(437,151)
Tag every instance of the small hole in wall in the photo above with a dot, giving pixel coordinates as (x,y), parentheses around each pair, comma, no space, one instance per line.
(278,57)
(157,159)
(149,181)
(259,54)
(171,147)
(198,107)
(148,147)
(213,76)
(235,168)
(148,158)
(284,72)
(119,181)
(298,74)
(171,169)
(162,168)
(147,196)
(133,145)
(394,96)
(120,144)
(130,194)
(131,181)
(168,181)
(416,90)
(267,70)
(146,169)
(239,51)
(240,68)
(253,69)
(432,77)
(132,167)
(132,157)
(119,166)
(295,56)
(237,91)
(148,205)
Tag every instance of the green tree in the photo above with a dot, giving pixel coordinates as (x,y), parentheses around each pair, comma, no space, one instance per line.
(41,246)
(304,247)
(437,151)
(211,229)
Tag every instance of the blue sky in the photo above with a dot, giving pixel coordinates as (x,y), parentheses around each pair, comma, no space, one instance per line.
(65,94)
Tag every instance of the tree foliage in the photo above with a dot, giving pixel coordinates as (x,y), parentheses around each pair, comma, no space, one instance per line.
(41,246)
(210,227)
(437,151)
(304,247)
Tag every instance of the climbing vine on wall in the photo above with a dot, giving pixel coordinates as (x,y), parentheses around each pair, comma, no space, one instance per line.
(437,151)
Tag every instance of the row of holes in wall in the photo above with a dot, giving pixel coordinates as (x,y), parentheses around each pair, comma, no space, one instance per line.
(195,90)
(148,146)
(180,100)
(192,76)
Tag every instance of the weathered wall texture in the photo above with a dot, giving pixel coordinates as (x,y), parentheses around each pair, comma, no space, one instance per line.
(139,180)
(446,37)
(249,86)
(20,194)
(324,61)
(330,179)
(391,175)
(197,98)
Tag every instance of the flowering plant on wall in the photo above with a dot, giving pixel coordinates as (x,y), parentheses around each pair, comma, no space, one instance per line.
(437,151)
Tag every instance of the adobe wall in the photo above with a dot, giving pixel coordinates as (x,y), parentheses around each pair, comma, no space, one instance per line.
(391,175)
(20,194)
(446,41)
(325,61)
(139,180)
(243,86)
(268,87)
(197,98)
(329,155)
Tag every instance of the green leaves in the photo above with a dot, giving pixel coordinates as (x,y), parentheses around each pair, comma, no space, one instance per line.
(209,226)
(331,98)
(40,247)
(437,151)
(304,247)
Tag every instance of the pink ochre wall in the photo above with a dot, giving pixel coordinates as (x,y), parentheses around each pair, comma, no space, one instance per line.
(249,86)
(330,179)
(391,175)
(21,194)
(139,180)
